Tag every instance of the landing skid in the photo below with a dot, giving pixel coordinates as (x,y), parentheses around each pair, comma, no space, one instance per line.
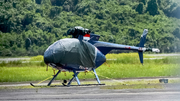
(69,84)
(66,85)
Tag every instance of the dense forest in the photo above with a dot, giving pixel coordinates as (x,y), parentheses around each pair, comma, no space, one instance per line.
(28,27)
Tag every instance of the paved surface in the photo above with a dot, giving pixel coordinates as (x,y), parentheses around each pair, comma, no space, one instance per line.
(57,82)
(170,92)
(163,54)
(13,59)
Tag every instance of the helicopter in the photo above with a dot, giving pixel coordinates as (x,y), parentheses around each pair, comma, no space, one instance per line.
(84,52)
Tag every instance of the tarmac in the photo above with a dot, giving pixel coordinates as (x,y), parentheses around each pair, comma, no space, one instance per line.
(59,82)
(169,92)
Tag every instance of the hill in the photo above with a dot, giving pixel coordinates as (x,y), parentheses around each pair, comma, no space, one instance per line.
(28,27)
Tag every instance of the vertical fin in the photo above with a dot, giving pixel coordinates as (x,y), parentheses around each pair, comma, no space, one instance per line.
(140,56)
(143,38)
(141,44)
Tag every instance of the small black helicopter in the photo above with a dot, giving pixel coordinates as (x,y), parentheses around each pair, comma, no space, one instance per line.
(84,52)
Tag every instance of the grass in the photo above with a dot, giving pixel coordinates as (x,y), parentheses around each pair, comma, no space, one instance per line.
(19,74)
(137,70)
(125,66)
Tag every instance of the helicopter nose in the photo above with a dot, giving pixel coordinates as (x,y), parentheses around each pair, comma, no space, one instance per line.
(100,59)
(48,56)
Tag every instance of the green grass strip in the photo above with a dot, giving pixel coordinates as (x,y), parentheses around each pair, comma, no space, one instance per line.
(19,74)
(124,66)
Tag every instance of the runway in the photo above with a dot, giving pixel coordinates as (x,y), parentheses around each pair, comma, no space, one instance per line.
(170,92)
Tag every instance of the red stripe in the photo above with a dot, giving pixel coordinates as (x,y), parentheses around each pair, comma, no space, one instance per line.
(87,35)
(128,47)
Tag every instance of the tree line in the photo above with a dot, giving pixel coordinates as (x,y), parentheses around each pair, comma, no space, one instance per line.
(28,27)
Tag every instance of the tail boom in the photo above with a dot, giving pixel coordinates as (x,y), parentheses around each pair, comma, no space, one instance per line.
(106,47)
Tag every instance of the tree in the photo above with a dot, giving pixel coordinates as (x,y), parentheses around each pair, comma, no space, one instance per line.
(38,1)
(152,7)
(143,1)
(119,21)
(176,13)
(139,8)
(55,11)
(176,33)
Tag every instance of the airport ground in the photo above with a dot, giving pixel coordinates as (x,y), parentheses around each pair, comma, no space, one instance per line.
(150,92)
(125,90)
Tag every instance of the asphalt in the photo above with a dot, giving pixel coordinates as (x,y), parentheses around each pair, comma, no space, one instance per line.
(57,82)
(169,92)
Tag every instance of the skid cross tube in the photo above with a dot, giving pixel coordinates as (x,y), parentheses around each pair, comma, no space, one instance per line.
(53,78)
(96,76)
(74,76)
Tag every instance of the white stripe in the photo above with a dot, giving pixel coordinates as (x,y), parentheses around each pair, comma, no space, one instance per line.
(86,38)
